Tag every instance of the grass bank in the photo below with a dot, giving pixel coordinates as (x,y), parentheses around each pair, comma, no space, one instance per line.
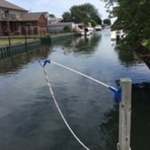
(13,41)
(34,36)
(21,38)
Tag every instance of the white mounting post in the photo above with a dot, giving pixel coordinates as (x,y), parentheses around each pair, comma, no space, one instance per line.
(125,115)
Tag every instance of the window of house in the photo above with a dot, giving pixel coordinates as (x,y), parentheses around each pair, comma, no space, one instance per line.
(16,26)
(28,25)
(6,13)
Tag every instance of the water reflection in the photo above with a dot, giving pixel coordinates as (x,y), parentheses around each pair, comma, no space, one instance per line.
(85,45)
(15,62)
(140,116)
(28,116)
(127,57)
(140,121)
(109,128)
(82,45)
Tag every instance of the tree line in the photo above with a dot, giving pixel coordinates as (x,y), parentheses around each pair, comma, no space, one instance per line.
(85,13)
(82,14)
(133,17)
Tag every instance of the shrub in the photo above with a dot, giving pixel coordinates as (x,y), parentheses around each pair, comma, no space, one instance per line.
(93,23)
(66,29)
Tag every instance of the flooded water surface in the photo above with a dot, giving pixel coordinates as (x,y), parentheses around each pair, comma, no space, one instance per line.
(29,119)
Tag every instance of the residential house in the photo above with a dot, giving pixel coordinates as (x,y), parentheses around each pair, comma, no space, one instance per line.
(9,13)
(59,27)
(47,16)
(33,23)
(17,20)
(53,20)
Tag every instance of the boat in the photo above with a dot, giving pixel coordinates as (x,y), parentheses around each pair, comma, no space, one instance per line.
(117,34)
(107,27)
(113,35)
(87,33)
(98,28)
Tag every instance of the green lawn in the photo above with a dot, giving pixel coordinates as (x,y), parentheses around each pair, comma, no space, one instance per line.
(13,41)
(34,36)
(21,38)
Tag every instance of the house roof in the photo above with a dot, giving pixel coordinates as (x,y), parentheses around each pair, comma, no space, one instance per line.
(31,16)
(61,24)
(6,4)
(55,19)
(44,13)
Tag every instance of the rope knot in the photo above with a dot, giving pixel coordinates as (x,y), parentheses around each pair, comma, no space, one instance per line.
(45,62)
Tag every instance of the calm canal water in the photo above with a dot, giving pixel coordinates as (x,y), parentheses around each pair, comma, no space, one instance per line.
(29,119)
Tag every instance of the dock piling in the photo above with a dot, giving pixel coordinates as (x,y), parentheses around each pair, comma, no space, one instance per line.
(125,115)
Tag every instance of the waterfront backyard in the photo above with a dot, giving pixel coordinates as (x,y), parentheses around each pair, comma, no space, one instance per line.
(29,119)
(17,39)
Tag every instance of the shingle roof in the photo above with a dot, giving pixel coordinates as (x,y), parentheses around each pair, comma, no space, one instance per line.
(6,4)
(61,24)
(31,16)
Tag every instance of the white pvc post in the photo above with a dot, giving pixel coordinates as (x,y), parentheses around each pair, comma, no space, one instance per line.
(125,115)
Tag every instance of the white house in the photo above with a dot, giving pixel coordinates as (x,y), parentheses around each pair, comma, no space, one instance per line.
(59,27)
(54,20)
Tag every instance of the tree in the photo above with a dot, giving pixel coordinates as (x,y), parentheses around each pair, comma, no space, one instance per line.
(66,29)
(107,21)
(133,18)
(93,23)
(66,16)
(97,19)
(82,13)
(52,16)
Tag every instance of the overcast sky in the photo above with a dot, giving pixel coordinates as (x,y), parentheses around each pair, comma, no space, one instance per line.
(57,7)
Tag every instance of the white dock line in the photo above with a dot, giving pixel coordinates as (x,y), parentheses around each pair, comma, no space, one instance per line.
(80,74)
(59,110)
